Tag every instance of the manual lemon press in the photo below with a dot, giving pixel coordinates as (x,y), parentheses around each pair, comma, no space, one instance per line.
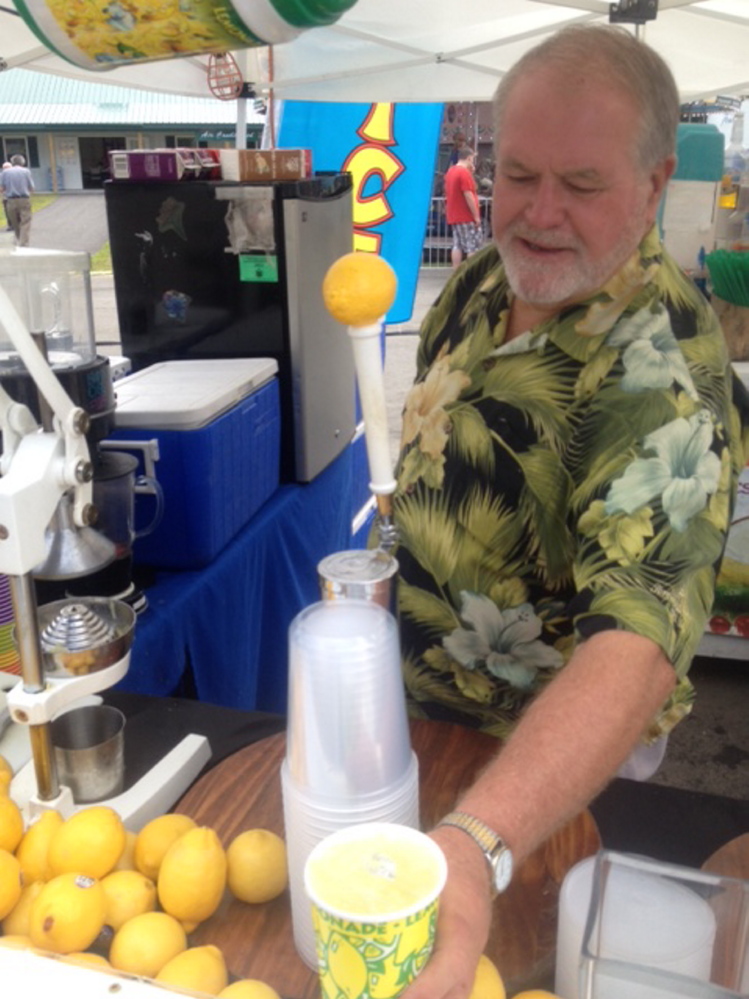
(358,289)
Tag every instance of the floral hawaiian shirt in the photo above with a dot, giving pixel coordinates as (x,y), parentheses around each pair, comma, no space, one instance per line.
(577,478)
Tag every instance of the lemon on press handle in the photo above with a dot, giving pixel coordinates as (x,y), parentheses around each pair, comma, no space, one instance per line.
(359,288)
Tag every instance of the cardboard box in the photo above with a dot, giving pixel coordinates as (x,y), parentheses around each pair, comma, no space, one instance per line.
(155,164)
(218,428)
(265,164)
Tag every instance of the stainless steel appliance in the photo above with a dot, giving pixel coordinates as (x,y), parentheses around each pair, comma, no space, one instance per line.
(210,269)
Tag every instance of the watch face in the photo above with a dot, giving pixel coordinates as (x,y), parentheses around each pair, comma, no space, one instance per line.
(502,870)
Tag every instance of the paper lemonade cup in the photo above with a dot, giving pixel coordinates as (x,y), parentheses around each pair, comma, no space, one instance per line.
(374,890)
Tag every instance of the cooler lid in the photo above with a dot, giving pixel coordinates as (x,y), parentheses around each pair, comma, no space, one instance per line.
(186,395)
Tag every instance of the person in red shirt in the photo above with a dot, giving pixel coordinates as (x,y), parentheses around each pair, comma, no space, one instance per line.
(462,207)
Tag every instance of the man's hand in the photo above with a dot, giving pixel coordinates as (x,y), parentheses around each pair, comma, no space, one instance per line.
(465,912)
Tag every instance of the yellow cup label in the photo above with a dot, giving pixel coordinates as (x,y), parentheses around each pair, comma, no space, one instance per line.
(372,960)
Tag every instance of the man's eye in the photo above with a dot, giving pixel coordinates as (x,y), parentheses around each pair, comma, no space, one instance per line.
(582,188)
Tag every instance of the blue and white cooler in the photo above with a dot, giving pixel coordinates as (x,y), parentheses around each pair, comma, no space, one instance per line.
(215,427)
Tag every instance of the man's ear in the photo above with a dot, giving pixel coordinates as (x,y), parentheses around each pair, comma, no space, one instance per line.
(659,177)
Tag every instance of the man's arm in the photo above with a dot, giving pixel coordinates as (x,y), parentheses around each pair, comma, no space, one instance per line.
(568,745)
(473,204)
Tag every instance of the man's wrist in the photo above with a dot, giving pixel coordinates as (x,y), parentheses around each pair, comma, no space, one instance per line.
(466,858)
(497,855)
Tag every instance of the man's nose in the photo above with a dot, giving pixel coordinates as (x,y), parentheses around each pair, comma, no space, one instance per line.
(545,208)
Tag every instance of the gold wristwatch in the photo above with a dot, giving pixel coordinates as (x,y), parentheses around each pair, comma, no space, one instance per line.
(498,854)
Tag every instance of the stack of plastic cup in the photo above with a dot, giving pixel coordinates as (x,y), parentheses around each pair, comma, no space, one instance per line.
(349,758)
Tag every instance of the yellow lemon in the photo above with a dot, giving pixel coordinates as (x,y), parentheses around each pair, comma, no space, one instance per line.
(257,870)
(11,824)
(33,850)
(144,944)
(89,842)
(16,923)
(536,994)
(11,882)
(16,941)
(6,775)
(155,838)
(87,959)
(359,288)
(127,857)
(488,982)
(68,913)
(129,893)
(199,969)
(248,988)
(192,876)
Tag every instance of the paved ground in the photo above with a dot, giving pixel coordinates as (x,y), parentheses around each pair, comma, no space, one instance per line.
(708,752)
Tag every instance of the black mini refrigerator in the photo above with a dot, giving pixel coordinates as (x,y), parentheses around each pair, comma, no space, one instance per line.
(211,269)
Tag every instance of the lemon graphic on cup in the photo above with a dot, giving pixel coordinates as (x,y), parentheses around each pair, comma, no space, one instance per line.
(346,966)
(415,938)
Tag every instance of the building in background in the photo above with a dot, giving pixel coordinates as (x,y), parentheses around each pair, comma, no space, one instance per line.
(65,128)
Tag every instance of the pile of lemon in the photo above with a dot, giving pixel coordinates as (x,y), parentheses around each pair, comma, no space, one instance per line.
(92,892)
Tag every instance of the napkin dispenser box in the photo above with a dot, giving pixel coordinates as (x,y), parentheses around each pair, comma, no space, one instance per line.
(631,927)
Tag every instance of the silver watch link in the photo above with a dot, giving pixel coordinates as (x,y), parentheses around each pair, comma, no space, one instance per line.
(498,854)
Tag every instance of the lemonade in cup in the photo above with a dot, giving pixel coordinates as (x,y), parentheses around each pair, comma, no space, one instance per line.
(374,890)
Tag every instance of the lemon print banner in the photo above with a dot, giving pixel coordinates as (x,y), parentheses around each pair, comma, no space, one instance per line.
(390,150)
(372,960)
(98,35)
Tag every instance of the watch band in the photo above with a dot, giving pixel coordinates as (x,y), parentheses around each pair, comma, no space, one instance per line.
(491,844)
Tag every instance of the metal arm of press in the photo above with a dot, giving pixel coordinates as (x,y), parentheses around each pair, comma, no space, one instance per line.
(37,469)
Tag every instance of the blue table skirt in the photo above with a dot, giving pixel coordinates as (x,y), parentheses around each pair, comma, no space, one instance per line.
(230,620)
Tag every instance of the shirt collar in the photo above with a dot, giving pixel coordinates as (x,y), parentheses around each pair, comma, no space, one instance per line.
(580,328)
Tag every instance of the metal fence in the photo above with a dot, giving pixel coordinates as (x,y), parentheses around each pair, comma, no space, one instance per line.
(438,238)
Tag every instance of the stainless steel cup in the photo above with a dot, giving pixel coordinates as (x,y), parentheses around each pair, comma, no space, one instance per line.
(359,574)
(89,751)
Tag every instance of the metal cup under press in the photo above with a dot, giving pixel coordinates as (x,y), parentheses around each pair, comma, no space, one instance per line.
(89,751)
(360,575)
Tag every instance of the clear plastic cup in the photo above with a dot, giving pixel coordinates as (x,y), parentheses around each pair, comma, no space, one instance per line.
(347,730)
(309,821)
